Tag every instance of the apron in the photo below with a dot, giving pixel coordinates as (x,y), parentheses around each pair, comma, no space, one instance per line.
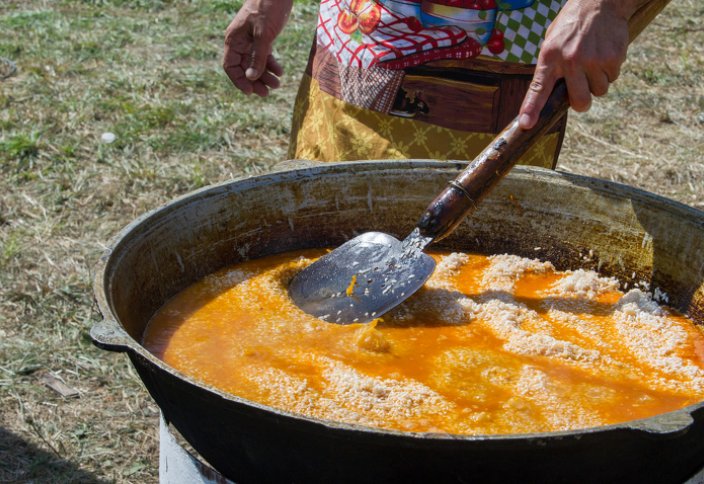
(399,79)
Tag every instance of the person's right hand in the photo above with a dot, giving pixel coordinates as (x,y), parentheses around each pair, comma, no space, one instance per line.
(248,42)
(585,45)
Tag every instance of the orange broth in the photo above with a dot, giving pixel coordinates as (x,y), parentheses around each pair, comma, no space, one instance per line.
(489,346)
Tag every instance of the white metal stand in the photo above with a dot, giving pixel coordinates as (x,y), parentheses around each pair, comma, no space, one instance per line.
(178,466)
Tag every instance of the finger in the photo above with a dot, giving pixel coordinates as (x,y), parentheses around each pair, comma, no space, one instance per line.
(538,93)
(232,66)
(612,59)
(259,55)
(273,65)
(613,72)
(598,82)
(244,85)
(270,80)
(236,75)
(260,89)
(234,72)
(231,58)
(578,91)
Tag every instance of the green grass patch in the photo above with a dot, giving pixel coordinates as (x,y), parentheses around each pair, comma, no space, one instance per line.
(19,148)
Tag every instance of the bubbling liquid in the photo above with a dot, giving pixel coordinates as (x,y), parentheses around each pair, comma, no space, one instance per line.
(490,345)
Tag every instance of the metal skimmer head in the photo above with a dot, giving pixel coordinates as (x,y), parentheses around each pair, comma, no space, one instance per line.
(363,278)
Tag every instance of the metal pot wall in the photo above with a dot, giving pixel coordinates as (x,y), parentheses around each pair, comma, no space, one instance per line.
(570,220)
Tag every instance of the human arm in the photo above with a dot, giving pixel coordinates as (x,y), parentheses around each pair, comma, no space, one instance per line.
(585,45)
(249,38)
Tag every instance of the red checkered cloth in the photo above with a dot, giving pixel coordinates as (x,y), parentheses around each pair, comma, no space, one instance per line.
(363,33)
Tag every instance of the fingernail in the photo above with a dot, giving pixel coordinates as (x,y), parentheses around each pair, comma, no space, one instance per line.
(251,74)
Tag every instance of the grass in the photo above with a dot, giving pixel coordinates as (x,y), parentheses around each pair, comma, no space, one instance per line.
(649,130)
(149,72)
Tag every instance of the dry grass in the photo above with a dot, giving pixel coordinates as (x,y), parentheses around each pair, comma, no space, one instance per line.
(649,131)
(149,72)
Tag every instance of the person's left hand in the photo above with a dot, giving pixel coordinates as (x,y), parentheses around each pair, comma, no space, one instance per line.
(249,38)
(585,45)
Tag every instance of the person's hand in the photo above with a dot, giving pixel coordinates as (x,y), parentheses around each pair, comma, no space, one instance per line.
(248,42)
(585,45)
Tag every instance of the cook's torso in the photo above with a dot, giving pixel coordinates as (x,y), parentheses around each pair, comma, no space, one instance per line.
(430,79)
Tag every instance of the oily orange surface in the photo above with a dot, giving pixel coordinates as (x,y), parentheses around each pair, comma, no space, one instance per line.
(461,356)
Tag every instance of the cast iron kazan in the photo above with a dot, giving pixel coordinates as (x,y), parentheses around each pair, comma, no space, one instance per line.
(570,220)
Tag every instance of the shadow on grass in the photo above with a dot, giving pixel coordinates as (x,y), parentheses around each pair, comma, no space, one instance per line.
(21,461)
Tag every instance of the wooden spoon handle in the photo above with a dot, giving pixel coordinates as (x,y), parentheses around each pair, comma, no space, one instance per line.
(476,181)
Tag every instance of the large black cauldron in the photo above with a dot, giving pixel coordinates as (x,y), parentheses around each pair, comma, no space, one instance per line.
(631,234)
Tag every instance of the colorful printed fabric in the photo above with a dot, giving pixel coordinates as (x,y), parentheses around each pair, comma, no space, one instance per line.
(401,33)
(524,30)
(363,33)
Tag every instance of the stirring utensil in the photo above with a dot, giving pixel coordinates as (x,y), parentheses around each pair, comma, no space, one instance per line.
(374,272)
(363,278)
(371,274)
